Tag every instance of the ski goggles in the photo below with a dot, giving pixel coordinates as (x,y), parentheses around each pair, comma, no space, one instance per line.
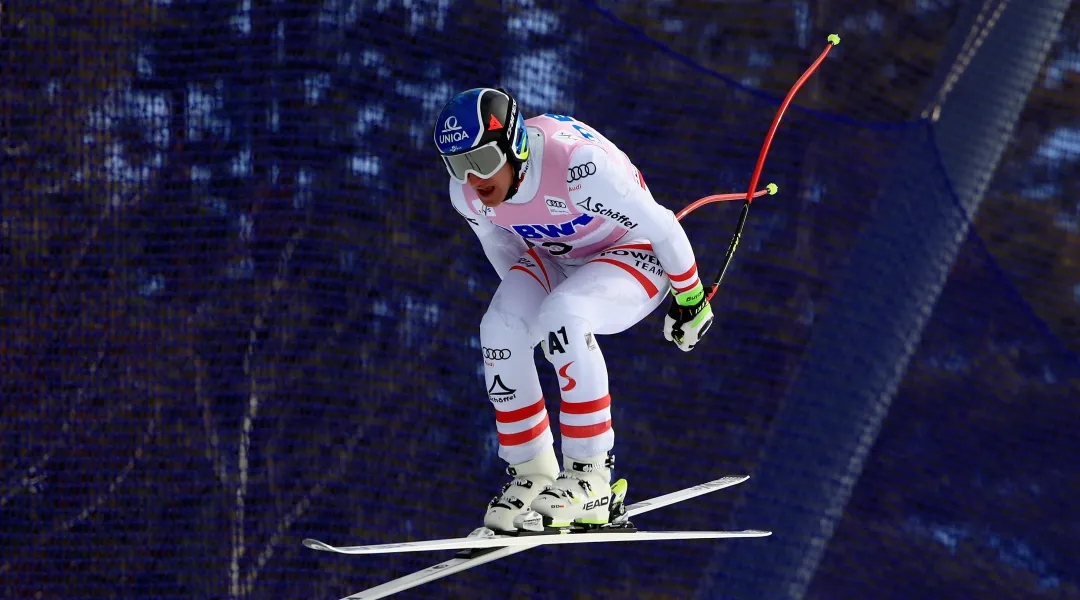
(483,162)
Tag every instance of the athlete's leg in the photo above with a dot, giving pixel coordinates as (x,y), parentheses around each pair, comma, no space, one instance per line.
(607,295)
(614,291)
(509,331)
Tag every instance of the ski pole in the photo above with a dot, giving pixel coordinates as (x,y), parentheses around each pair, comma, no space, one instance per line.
(833,39)
(770,189)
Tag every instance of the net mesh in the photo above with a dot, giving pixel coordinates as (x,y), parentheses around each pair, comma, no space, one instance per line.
(237,308)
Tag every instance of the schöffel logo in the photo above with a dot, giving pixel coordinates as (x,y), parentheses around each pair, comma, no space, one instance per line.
(598,208)
(451,131)
(496,353)
(498,392)
(580,172)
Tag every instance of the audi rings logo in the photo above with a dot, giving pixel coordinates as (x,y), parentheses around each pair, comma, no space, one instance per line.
(580,172)
(496,353)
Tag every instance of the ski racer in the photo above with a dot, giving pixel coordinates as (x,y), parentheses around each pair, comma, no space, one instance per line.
(583,250)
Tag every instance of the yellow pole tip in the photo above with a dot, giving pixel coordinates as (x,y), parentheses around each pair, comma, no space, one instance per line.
(772,189)
(834,39)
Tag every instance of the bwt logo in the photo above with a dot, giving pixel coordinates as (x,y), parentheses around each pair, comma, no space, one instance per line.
(451,131)
(557,230)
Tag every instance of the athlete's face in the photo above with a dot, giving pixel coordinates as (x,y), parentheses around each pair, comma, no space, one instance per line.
(492,191)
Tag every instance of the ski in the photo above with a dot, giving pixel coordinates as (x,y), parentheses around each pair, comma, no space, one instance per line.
(486,538)
(474,557)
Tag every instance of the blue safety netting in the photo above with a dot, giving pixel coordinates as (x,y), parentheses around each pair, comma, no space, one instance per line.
(238,310)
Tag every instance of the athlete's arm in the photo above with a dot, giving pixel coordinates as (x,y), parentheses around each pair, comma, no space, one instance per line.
(617,191)
(501,247)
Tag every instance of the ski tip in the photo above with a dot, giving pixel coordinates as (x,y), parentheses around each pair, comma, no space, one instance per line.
(317,545)
(757,533)
(731,479)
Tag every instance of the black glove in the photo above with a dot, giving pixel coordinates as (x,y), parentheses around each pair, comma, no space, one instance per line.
(688,318)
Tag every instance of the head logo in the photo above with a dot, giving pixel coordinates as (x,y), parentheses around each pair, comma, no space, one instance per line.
(596,503)
(580,172)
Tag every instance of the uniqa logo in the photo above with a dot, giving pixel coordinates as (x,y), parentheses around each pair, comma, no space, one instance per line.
(450,124)
(451,131)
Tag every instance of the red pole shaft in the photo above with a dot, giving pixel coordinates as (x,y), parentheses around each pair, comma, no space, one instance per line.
(716,198)
(776,120)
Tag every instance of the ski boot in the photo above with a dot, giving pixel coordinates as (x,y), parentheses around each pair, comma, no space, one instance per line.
(582,495)
(530,477)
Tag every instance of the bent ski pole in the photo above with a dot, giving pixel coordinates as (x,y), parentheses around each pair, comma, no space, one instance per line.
(833,39)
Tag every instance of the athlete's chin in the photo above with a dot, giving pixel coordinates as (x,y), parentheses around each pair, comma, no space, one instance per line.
(490,197)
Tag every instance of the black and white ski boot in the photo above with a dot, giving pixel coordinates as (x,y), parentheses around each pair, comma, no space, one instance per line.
(530,478)
(582,495)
